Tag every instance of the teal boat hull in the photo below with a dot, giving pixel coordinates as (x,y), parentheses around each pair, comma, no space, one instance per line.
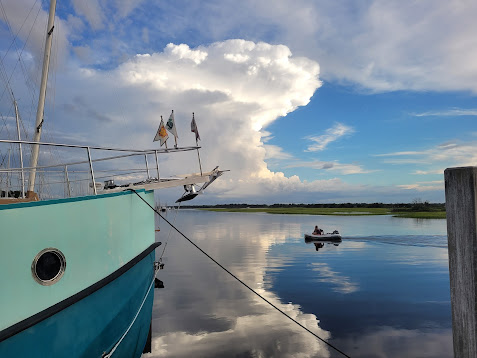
(108,245)
(94,324)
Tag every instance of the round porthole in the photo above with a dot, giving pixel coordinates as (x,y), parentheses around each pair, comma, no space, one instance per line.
(48,266)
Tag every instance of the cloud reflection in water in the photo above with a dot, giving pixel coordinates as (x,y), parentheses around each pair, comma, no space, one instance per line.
(203,312)
(371,297)
(386,341)
(342,284)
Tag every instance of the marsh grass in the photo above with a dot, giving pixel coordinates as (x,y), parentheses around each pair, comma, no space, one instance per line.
(336,211)
(421,215)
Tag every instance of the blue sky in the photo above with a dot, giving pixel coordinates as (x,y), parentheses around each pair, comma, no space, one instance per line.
(305,101)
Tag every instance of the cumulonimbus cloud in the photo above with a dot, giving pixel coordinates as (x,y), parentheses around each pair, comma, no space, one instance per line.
(235,88)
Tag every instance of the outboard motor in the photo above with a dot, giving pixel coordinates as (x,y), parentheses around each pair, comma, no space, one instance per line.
(109,184)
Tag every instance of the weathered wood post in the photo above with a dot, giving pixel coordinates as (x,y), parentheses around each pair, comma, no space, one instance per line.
(461,208)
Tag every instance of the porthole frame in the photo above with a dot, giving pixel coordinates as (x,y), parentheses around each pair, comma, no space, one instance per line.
(60,273)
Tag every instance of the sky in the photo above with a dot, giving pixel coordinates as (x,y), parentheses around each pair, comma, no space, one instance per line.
(303,101)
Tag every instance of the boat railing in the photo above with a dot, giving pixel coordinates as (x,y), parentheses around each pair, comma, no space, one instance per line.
(67,170)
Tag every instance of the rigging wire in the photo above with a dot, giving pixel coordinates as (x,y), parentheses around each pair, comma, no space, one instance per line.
(5,125)
(21,52)
(236,278)
(9,27)
(28,80)
(3,72)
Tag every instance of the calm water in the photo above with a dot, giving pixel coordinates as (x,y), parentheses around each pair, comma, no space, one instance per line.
(382,292)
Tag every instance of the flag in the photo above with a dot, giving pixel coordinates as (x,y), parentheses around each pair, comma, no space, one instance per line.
(171,125)
(161,133)
(193,128)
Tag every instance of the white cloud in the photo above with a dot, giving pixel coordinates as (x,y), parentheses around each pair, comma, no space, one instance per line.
(266,136)
(92,11)
(334,133)
(378,45)
(145,35)
(84,54)
(372,44)
(398,154)
(333,166)
(125,7)
(379,49)
(183,52)
(233,101)
(424,172)
(423,186)
(434,161)
(276,152)
(455,112)
(421,161)
(449,154)
(30,27)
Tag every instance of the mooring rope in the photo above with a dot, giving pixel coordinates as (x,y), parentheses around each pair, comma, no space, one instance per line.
(108,355)
(239,280)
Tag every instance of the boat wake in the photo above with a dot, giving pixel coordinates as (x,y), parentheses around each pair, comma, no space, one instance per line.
(404,240)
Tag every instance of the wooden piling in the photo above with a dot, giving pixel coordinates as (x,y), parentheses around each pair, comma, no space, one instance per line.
(461,210)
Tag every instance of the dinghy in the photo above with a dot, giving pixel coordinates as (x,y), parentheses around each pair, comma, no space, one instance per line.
(330,236)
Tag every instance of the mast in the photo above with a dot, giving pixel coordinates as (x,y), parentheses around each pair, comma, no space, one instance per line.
(42,96)
(20,147)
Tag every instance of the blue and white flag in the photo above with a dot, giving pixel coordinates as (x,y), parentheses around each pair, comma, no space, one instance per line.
(171,125)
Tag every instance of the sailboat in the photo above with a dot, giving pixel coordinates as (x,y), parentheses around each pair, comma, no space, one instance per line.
(78,272)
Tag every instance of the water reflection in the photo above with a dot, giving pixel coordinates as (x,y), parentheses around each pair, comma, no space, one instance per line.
(387,342)
(339,282)
(204,313)
(319,244)
(363,294)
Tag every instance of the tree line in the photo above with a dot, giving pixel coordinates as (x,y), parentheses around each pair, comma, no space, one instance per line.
(416,205)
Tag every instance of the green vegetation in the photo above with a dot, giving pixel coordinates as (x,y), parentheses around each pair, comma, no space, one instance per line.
(307,211)
(421,215)
(417,209)
(421,210)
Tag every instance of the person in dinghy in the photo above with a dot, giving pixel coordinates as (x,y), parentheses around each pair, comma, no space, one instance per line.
(317,231)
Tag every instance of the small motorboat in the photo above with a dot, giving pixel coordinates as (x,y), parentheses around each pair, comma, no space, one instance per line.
(330,236)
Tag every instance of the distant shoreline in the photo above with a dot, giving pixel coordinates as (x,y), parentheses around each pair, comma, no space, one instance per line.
(296,210)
